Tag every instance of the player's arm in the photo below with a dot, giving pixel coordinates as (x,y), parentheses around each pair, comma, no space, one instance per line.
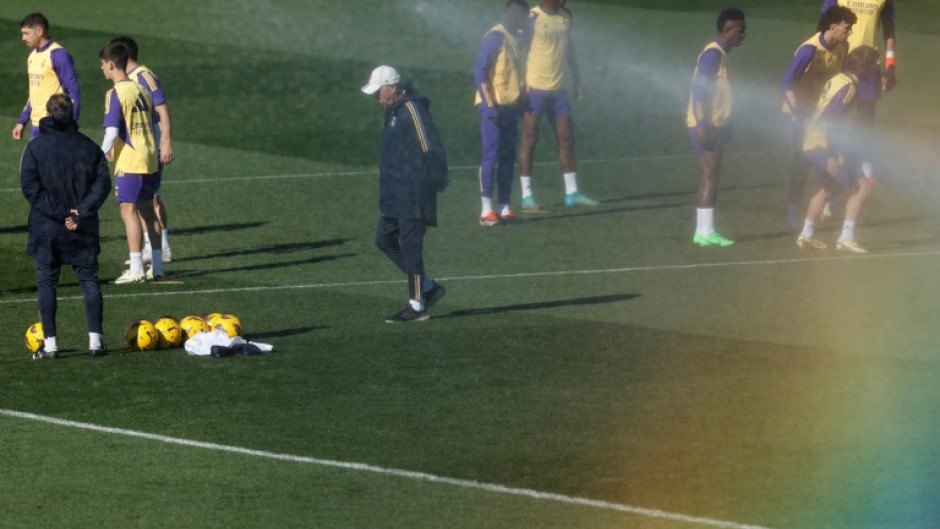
(37,197)
(21,123)
(888,29)
(113,118)
(486,58)
(798,66)
(572,58)
(151,83)
(65,71)
(703,91)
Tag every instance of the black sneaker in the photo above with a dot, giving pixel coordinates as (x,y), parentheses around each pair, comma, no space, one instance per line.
(406,315)
(434,295)
(99,352)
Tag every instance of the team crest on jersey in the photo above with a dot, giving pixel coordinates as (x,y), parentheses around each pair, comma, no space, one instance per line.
(392,122)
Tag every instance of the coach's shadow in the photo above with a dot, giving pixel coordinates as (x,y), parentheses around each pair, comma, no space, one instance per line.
(14,229)
(199,230)
(180,274)
(596,300)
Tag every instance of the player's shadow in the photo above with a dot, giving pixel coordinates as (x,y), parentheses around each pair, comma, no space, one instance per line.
(595,300)
(198,230)
(602,211)
(180,274)
(14,229)
(283,333)
(273,249)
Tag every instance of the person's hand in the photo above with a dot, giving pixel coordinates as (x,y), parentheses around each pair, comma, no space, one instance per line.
(18,131)
(889,79)
(166,152)
(832,165)
(109,156)
(872,181)
(71,222)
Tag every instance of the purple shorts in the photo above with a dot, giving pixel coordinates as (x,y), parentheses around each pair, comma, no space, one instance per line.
(133,188)
(721,136)
(848,172)
(552,102)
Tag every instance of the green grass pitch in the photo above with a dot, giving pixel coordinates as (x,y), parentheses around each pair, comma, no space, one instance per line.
(589,368)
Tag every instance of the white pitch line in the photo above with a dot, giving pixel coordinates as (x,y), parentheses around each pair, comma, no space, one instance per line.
(556,273)
(408,474)
(290,176)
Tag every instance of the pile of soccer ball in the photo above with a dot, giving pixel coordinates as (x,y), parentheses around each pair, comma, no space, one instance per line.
(165,333)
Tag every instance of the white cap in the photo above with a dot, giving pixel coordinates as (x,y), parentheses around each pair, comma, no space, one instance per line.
(382,75)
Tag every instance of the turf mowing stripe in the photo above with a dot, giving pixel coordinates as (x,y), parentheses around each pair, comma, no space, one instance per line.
(408,474)
(454,168)
(557,273)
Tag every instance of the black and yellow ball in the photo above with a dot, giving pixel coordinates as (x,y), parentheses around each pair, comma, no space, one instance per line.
(193,324)
(35,338)
(169,332)
(141,335)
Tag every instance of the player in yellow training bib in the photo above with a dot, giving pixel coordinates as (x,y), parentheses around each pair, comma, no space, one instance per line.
(129,141)
(709,120)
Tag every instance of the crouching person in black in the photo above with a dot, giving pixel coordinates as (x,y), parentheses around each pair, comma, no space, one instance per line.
(64,176)
(412,171)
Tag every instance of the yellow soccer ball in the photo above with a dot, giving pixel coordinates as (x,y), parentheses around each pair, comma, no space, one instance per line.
(35,338)
(141,335)
(169,333)
(228,323)
(193,324)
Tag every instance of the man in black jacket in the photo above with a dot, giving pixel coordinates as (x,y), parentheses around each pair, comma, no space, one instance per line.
(64,176)
(412,171)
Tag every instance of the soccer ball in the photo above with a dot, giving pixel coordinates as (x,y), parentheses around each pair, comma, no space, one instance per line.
(169,333)
(35,338)
(228,323)
(193,324)
(141,335)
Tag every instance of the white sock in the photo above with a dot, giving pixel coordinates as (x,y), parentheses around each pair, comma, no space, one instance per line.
(706,221)
(571,183)
(415,304)
(526,184)
(503,209)
(147,245)
(49,344)
(137,263)
(94,340)
(868,170)
(166,240)
(157,263)
(848,231)
(426,283)
(487,206)
(809,229)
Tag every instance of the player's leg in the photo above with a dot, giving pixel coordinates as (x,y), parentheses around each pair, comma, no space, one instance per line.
(853,207)
(386,240)
(799,167)
(159,208)
(531,121)
(490,135)
(94,307)
(709,165)
(819,159)
(563,125)
(146,212)
(129,187)
(47,280)
(509,135)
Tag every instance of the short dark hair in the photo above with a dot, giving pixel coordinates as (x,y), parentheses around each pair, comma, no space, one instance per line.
(60,108)
(521,4)
(130,43)
(35,19)
(862,61)
(727,15)
(117,53)
(836,15)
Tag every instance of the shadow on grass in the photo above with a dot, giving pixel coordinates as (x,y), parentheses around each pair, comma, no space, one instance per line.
(273,249)
(180,274)
(14,229)
(596,300)
(599,211)
(285,332)
(198,230)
